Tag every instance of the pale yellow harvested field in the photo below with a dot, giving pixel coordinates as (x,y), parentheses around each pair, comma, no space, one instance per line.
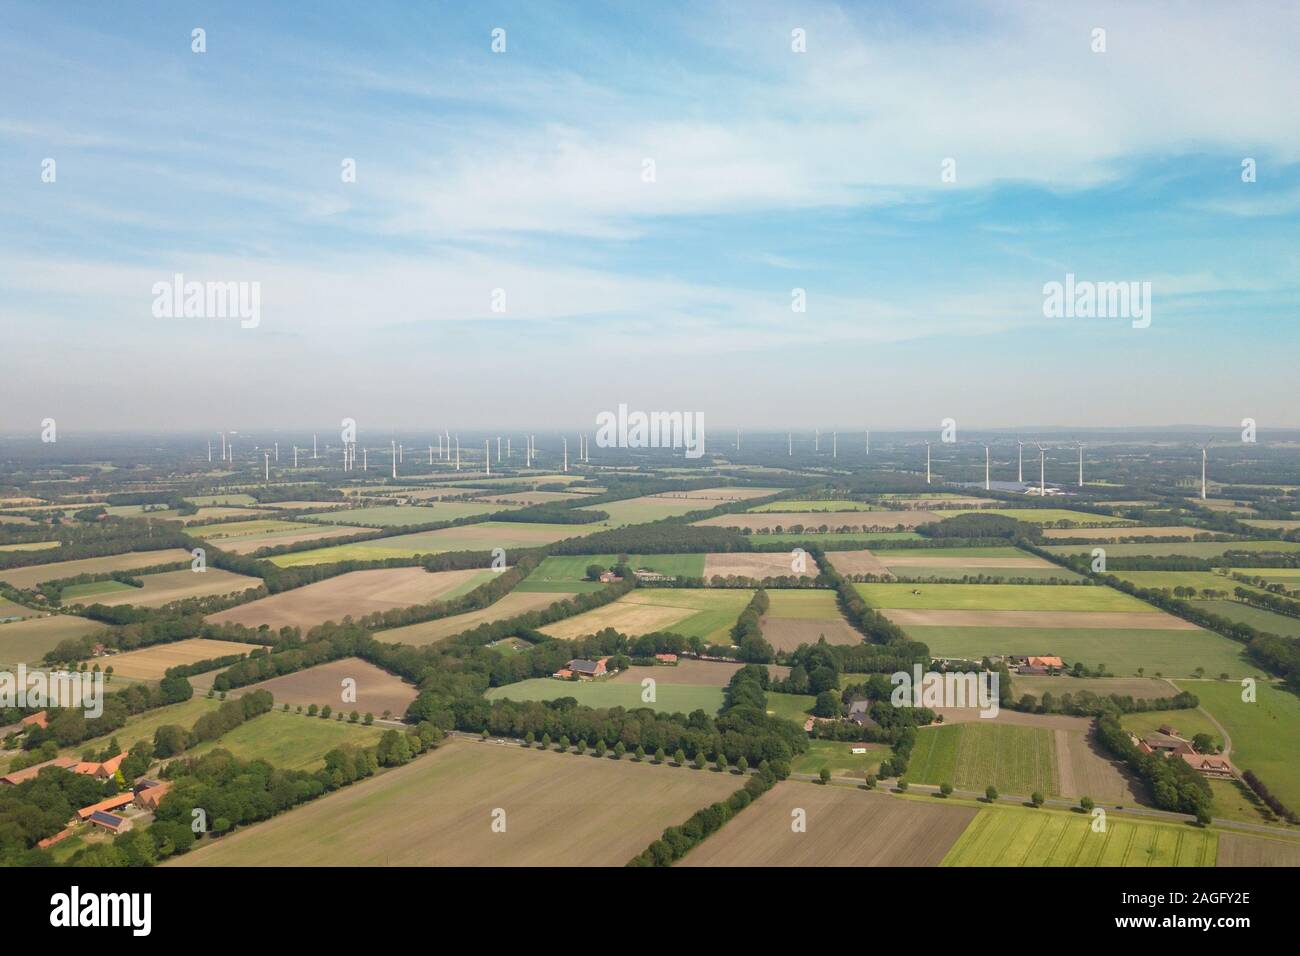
(629,619)
(356,593)
(757,564)
(33,575)
(1109,620)
(438,810)
(1114,534)
(1237,849)
(168,586)
(530,497)
(151,663)
(854,520)
(511,605)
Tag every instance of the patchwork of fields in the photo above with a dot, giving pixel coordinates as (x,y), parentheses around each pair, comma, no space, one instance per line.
(32,575)
(707,614)
(22,642)
(470,537)
(376,691)
(162,588)
(151,663)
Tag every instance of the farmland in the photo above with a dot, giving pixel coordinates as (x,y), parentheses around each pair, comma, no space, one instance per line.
(973,754)
(1046,516)
(1128,531)
(9,609)
(838,757)
(1019,836)
(1168,580)
(1149,688)
(1192,549)
(29,640)
(35,574)
(669,697)
(1002,597)
(151,663)
(398,516)
(757,564)
(356,593)
(1237,849)
(1263,733)
(949,563)
(512,605)
(833,520)
(162,588)
(562,810)
(799,616)
(377,691)
(470,537)
(707,614)
(646,508)
(845,827)
(1171,653)
(793,506)
(568,572)
(290,741)
(832,537)
(1256,617)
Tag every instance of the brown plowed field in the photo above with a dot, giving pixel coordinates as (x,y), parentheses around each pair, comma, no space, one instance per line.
(1236,849)
(34,574)
(151,663)
(857,562)
(844,828)
(787,633)
(377,690)
(357,593)
(1107,620)
(511,605)
(756,564)
(249,543)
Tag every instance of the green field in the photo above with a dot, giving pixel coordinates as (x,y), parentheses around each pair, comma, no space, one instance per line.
(1191,549)
(290,741)
(1021,836)
(563,572)
(1256,617)
(1168,580)
(803,604)
(397,516)
(238,500)
(868,537)
(1045,516)
(1122,651)
(470,537)
(78,593)
(795,707)
(1000,597)
(30,546)
(240,529)
(837,757)
(1188,723)
(29,640)
(646,509)
(1287,576)
(957,572)
(830,504)
(970,756)
(670,698)
(1264,734)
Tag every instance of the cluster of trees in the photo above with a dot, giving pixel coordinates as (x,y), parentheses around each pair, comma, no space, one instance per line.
(747,634)
(976,525)
(877,628)
(553,512)
(677,841)
(1172,783)
(1085,703)
(39,808)
(69,726)
(208,664)
(111,536)
(155,627)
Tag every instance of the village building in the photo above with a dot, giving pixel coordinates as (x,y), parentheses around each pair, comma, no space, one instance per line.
(860,714)
(100,770)
(18,776)
(116,802)
(110,822)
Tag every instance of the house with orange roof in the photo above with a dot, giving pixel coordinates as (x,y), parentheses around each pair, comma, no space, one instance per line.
(19,776)
(39,719)
(148,798)
(100,770)
(1211,765)
(112,803)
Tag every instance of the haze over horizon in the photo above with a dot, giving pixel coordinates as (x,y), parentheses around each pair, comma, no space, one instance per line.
(774,170)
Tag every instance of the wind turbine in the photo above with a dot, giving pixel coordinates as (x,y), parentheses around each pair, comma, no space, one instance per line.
(835,444)
(737,439)
(295,456)
(209,451)
(1080,464)
(817,440)
(266,465)
(313,447)
(458,453)
(1020,471)
(986,467)
(487,453)
(927,462)
(394,444)
(566,453)
(1204,454)
(789,444)
(1042,471)
(868,441)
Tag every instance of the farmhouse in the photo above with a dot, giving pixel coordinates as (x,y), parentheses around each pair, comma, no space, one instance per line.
(110,822)
(644,574)
(18,776)
(1209,764)
(104,806)
(586,670)
(1055,662)
(860,714)
(100,770)
(1158,743)
(609,577)
(148,797)
(38,719)
(666,658)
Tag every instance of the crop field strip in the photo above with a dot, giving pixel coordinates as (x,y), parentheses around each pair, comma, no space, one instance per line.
(975,754)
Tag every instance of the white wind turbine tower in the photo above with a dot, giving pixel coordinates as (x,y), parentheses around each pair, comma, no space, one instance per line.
(835,444)
(266,466)
(1020,471)
(365,459)
(295,456)
(487,454)
(223,446)
(986,467)
(1204,454)
(1080,464)
(789,444)
(1042,471)
(737,439)
(430,456)
(394,444)
(401,455)
(868,441)
(566,452)
(927,463)
(509,453)
(313,448)
(458,453)
(817,440)
(209,451)
(277,453)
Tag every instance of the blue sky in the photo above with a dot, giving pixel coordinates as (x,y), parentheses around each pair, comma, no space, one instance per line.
(774,170)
